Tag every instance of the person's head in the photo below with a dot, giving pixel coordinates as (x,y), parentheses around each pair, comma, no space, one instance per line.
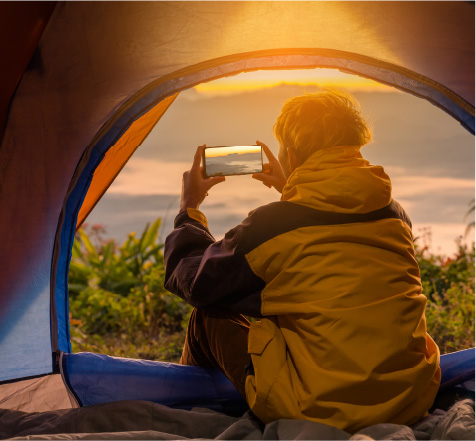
(317,121)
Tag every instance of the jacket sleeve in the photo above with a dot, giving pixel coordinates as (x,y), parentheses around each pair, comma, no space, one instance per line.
(205,272)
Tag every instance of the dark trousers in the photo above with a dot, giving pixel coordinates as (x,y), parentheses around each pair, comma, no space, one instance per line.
(219,339)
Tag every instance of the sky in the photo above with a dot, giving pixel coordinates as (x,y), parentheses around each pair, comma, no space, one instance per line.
(230,150)
(427,154)
(270,78)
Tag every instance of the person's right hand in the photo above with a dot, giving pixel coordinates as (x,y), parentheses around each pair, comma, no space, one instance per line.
(194,186)
(273,175)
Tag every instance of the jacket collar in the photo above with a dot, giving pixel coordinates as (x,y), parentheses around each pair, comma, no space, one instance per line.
(339,179)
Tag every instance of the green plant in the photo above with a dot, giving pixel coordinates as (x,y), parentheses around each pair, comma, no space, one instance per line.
(105,265)
(449,286)
(119,305)
(118,301)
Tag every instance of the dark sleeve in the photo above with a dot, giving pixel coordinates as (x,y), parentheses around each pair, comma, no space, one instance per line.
(204,272)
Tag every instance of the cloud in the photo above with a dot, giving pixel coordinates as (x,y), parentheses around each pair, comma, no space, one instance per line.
(413,186)
(439,205)
(433,200)
(425,198)
(143,176)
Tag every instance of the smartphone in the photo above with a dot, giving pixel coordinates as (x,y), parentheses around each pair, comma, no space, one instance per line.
(232,160)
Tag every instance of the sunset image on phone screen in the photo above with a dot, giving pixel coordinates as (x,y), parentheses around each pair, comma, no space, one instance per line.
(235,160)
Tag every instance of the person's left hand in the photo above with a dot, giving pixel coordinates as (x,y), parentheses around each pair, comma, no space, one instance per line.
(272,175)
(194,186)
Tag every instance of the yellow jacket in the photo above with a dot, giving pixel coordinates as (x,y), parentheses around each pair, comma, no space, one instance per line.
(342,337)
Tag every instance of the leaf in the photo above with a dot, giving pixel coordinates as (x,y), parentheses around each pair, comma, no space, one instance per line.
(153,251)
(138,250)
(80,267)
(105,254)
(76,287)
(87,243)
(151,235)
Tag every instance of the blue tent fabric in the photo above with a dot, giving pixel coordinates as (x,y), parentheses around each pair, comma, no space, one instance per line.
(82,180)
(458,369)
(96,378)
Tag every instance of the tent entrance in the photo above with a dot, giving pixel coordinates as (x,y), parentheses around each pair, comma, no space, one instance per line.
(99,67)
(166,89)
(117,140)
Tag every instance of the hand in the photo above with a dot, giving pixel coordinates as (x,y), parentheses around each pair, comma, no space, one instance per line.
(194,186)
(272,175)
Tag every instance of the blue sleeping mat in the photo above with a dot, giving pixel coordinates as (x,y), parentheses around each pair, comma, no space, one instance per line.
(97,378)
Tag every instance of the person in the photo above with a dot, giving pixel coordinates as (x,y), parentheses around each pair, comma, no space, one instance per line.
(328,271)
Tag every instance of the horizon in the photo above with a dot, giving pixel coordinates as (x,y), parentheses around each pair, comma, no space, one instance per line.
(224,151)
(428,155)
(266,79)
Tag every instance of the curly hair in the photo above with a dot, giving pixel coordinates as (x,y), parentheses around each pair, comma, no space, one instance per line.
(325,119)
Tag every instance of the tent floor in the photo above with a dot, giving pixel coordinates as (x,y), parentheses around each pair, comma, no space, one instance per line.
(146,420)
(35,394)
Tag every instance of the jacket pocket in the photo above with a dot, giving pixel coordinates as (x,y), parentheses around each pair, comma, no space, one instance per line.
(267,349)
(258,338)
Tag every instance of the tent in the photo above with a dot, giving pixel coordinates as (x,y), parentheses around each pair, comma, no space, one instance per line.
(83,85)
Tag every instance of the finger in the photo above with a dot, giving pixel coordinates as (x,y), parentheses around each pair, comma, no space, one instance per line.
(264,178)
(198,157)
(267,170)
(267,151)
(209,183)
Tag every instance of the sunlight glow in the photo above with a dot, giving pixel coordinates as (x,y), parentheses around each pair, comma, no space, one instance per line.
(213,152)
(263,79)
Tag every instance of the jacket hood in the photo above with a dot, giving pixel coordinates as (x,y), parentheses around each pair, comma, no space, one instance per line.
(340,180)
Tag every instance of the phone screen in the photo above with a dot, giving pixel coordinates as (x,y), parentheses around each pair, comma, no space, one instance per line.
(233,160)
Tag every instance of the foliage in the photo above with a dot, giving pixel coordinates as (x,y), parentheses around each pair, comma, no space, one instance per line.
(448,284)
(119,305)
(118,299)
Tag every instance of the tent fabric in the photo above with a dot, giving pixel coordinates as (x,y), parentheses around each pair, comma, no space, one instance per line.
(36,394)
(118,155)
(141,420)
(81,181)
(458,369)
(100,66)
(19,37)
(98,378)
(299,58)
(92,379)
